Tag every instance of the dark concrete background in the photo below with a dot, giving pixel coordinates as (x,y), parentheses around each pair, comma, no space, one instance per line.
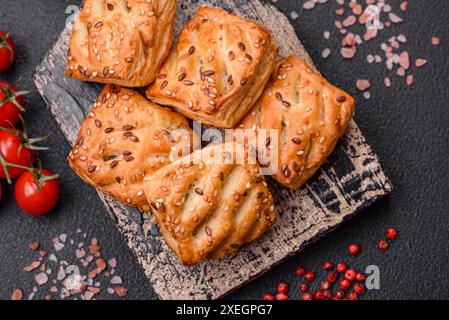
(407,127)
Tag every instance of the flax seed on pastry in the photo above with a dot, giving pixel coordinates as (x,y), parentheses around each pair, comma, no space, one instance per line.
(218,69)
(210,203)
(121,41)
(123,138)
(308,113)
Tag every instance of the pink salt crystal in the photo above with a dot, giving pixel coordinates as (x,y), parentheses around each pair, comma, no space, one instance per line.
(348,53)
(363,85)
(387,82)
(420,62)
(410,80)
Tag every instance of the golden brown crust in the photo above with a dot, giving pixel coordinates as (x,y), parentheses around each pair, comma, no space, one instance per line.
(124,138)
(308,112)
(207,206)
(121,42)
(218,69)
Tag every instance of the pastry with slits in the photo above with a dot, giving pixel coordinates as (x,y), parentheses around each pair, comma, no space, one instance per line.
(309,114)
(121,41)
(211,202)
(124,138)
(218,69)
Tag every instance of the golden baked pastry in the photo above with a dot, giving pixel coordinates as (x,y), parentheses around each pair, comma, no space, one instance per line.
(124,138)
(121,41)
(309,114)
(208,205)
(218,69)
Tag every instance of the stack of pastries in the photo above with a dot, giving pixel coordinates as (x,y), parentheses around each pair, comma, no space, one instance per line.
(222,72)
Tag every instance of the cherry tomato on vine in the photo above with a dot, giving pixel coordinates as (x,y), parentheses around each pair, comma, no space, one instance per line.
(14,151)
(37,192)
(11,105)
(7,51)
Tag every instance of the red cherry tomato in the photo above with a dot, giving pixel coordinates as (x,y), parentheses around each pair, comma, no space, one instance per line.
(34,200)
(11,105)
(13,151)
(7,51)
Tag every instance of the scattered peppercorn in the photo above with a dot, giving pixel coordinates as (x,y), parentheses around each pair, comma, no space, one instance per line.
(340,295)
(344,284)
(327,294)
(341,267)
(300,271)
(281,297)
(350,274)
(318,295)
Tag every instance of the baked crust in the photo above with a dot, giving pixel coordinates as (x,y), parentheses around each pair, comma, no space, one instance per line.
(218,69)
(308,112)
(207,205)
(124,138)
(121,41)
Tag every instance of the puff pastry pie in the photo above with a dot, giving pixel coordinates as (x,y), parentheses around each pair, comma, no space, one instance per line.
(124,138)
(218,69)
(208,205)
(309,115)
(121,41)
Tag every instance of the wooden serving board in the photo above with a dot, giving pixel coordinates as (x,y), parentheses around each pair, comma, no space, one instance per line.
(350,180)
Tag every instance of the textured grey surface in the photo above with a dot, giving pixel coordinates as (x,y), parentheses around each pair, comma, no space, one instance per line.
(350,181)
(407,128)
